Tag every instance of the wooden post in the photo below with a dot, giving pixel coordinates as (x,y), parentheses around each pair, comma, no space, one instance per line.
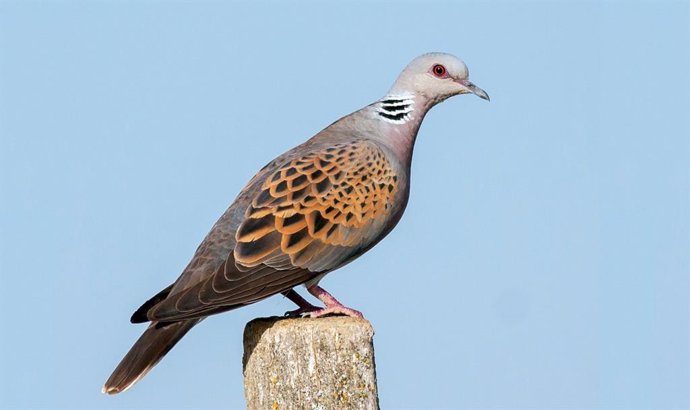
(324,363)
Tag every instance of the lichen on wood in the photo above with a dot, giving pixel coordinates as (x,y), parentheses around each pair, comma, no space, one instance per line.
(323,363)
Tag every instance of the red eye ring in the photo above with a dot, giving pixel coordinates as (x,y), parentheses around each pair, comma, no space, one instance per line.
(439,71)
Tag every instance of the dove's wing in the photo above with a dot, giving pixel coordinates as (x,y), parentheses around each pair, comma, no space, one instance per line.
(311,215)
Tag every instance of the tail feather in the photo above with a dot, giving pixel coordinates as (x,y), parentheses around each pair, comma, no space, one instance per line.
(140,315)
(148,350)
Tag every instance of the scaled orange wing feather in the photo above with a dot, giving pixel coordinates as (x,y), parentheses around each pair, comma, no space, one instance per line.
(324,199)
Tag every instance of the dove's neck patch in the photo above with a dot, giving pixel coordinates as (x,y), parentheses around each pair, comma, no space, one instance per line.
(396,109)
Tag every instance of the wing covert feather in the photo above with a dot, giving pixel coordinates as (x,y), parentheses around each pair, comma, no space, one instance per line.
(310,207)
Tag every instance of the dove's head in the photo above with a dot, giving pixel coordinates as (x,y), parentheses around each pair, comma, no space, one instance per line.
(436,76)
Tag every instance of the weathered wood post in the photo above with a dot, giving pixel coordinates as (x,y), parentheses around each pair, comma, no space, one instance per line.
(325,363)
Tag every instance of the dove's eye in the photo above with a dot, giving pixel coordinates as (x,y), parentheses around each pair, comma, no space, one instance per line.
(439,71)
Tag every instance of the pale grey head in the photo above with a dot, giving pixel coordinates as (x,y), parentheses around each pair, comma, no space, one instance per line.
(436,77)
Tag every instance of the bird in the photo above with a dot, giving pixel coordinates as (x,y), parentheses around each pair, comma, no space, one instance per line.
(308,212)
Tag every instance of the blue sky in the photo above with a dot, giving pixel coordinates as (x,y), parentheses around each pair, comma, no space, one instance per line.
(543,261)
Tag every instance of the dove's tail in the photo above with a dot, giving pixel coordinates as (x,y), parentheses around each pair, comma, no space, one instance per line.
(156,341)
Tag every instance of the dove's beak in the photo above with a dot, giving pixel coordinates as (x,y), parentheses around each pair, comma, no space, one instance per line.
(471,88)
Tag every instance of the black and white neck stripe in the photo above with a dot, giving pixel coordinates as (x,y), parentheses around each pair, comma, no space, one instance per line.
(395,109)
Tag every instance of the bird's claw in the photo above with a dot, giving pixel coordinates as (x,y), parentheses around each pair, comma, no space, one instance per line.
(301,312)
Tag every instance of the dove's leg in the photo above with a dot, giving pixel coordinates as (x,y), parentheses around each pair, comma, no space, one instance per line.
(304,306)
(332,304)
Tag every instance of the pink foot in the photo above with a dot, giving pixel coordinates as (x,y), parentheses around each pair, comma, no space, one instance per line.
(332,304)
(336,310)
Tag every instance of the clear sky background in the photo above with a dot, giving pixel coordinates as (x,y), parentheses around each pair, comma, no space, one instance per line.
(543,261)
